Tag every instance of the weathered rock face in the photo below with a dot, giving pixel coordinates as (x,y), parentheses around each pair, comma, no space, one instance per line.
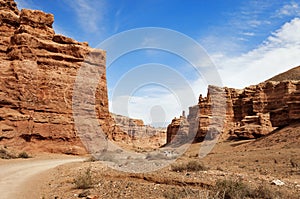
(243,114)
(140,135)
(38,71)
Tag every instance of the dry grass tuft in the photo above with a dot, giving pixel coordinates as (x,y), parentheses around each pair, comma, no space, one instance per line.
(235,189)
(190,166)
(24,155)
(84,180)
(4,154)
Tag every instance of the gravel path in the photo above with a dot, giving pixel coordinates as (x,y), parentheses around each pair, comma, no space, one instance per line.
(16,175)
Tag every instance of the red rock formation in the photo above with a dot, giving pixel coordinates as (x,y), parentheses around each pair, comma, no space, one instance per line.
(38,71)
(178,130)
(141,136)
(242,114)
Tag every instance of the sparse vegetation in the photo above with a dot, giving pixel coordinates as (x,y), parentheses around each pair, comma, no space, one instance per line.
(180,192)
(84,180)
(24,155)
(92,159)
(174,194)
(4,154)
(236,189)
(190,166)
(231,189)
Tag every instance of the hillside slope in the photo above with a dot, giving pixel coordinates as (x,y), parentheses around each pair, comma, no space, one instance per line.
(292,74)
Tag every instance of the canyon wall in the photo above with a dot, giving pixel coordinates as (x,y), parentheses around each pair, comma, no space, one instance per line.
(38,71)
(141,136)
(240,113)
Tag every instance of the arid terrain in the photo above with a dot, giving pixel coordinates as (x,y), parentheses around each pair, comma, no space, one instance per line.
(17,176)
(45,151)
(250,166)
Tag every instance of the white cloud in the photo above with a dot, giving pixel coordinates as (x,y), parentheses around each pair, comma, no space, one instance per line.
(141,106)
(168,102)
(278,53)
(250,34)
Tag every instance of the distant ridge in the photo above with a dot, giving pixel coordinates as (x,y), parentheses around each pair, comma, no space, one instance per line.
(292,74)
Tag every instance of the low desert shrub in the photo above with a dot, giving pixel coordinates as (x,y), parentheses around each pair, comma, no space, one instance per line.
(236,189)
(4,154)
(232,189)
(263,191)
(190,166)
(180,192)
(84,180)
(24,155)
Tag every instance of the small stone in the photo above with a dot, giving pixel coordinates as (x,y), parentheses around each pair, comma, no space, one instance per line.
(277,182)
(92,197)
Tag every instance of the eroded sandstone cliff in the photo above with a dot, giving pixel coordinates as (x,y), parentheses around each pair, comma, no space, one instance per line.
(38,71)
(247,113)
(141,135)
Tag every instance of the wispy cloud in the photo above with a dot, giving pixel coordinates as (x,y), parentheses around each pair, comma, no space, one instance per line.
(250,16)
(247,22)
(28,4)
(90,14)
(278,53)
(250,34)
(248,26)
(290,9)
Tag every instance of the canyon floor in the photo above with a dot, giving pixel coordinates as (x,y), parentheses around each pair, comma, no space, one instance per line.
(18,178)
(233,169)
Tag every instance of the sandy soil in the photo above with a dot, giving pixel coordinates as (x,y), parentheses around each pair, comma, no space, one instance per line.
(18,177)
(229,160)
(254,162)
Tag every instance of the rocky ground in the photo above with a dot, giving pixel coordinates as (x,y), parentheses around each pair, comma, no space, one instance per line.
(243,169)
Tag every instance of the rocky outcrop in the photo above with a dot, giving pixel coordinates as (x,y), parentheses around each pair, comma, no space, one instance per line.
(141,136)
(242,114)
(178,130)
(38,71)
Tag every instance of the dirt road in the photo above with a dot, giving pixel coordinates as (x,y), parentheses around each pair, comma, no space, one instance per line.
(16,176)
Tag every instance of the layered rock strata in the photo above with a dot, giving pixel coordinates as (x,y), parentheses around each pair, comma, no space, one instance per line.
(241,114)
(38,71)
(141,136)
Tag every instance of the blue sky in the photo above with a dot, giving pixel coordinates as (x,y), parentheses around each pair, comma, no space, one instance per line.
(249,41)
